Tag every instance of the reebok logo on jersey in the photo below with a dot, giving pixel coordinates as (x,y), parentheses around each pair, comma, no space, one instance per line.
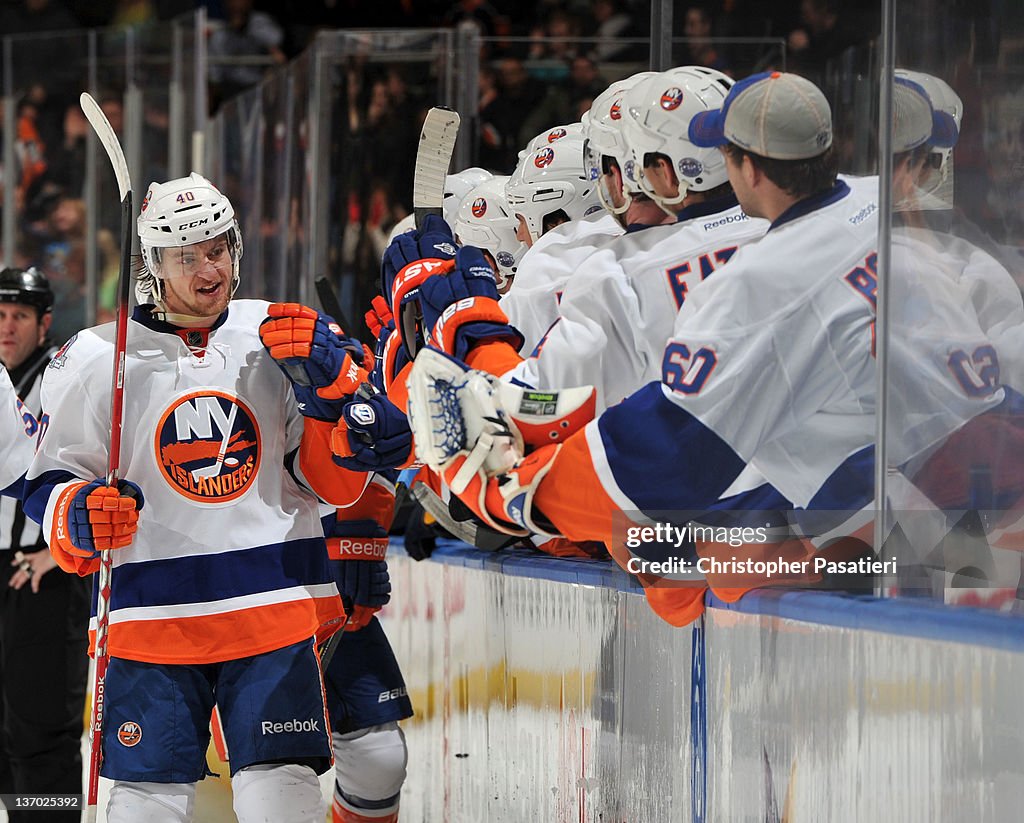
(289,726)
(208,446)
(863,214)
(725,221)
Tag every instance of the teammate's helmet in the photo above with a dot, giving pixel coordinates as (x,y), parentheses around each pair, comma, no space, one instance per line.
(457,186)
(605,138)
(485,220)
(178,213)
(28,287)
(550,180)
(553,135)
(658,114)
(948,114)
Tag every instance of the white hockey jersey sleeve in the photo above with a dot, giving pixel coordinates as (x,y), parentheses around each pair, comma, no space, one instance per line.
(17,437)
(598,338)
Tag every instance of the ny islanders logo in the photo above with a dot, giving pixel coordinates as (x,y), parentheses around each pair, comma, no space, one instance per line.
(671,98)
(615,112)
(208,446)
(544,157)
(556,134)
(479,207)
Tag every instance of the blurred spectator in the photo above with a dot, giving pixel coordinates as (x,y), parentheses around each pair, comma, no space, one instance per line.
(133,13)
(518,94)
(478,12)
(67,167)
(556,39)
(700,51)
(562,102)
(828,29)
(245,34)
(615,23)
(29,150)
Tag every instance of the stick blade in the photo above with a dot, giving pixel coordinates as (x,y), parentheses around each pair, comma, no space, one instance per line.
(98,120)
(433,156)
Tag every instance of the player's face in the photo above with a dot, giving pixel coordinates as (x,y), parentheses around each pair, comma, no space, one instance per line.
(662,179)
(738,180)
(21,332)
(197,278)
(523,231)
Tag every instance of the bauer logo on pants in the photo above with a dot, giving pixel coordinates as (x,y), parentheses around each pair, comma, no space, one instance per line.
(208,446)
(129,734)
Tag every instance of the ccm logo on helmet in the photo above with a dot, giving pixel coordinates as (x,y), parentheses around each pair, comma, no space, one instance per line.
(193,224)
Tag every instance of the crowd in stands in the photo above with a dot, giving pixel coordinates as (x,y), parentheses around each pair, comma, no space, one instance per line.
(541,65)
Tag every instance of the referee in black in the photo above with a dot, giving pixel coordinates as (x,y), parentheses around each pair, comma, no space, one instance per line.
(44,612)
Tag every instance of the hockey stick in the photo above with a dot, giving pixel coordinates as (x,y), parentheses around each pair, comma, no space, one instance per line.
(433,156)
(329,303)
(103,130)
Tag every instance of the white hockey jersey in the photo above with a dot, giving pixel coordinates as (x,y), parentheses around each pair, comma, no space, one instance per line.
(770,365)
(17,437)
(229,559)
(532,303)
(619,307)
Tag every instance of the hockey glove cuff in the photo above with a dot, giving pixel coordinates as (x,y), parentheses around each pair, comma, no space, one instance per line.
(94,517)
(372,435)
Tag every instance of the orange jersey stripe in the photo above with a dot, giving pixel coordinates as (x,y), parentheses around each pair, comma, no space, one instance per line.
(572,497)
(226,636)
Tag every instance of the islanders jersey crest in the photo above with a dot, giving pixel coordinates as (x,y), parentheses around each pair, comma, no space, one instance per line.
(208,446)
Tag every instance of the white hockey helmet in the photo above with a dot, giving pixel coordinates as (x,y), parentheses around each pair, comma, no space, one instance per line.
(180,213)
(457,186)
(948,114)
(605,138)
(549,180)
(553,135)
(658,111)
(485,220)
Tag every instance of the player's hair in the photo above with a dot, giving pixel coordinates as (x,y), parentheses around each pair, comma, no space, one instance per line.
(554,218)
(798,178)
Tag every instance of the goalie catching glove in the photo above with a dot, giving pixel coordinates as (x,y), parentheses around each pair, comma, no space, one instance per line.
(468,426)
(93,517)
(324,367)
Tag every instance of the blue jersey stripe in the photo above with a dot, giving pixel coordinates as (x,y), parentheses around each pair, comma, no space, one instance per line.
(662,457)
(210,577)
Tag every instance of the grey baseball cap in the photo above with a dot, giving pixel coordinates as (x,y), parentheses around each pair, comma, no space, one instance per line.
(915,121)
(773,114)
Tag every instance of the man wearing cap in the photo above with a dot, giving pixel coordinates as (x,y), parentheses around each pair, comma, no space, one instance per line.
(44,612)
(769,373)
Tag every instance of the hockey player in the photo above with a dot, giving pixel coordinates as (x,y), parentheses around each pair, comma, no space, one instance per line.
(45,611)
(770,366)
(485,221)
(366,694)
(221,582)
(561,221)
(618,309)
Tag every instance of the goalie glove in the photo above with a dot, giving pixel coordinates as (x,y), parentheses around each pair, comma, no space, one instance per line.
(324,367)
(464,432)
(372,434)
(94,517)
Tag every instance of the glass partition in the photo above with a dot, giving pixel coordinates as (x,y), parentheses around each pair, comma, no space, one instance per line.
(953,418)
